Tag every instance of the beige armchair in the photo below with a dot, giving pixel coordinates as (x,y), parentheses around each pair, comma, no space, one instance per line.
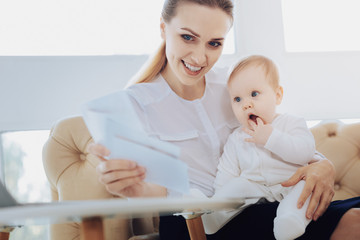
(71,172)
(340,143)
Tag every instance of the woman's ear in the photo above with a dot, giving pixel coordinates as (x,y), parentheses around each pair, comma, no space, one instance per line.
(279,95)
(162,28)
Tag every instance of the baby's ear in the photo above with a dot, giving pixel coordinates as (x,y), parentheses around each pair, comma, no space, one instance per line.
(279,95)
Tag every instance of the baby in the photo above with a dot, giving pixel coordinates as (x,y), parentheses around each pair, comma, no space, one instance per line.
(265,151)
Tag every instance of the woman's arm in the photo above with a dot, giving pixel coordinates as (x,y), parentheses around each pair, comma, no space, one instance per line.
(319,181)
(123,177)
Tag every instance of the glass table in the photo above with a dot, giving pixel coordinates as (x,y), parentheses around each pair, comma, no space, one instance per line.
(91,213)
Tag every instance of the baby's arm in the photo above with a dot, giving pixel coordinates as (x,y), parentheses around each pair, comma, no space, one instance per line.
(295,144)
(228,167)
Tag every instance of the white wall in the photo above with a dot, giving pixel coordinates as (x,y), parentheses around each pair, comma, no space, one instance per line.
(317,85)
(36,91)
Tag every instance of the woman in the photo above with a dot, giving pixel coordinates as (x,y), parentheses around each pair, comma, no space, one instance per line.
(181,99)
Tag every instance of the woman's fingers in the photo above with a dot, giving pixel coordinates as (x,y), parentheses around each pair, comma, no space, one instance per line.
(113,176)
(314,187)
(98,150)
(314,200)
(319,202)
(321,174)
(325,200)
(120,176)
(318,183)
(295,178)
(126,186)
(310,183)
(114,165)
(305,194)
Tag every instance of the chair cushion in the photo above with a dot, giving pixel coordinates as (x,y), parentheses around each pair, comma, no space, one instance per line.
(340,143)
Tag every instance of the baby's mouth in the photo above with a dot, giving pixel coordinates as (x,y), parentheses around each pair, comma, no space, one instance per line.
(253,118)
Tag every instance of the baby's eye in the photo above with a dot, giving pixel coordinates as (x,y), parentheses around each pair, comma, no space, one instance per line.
(254,93)
(187,37)
(237,99)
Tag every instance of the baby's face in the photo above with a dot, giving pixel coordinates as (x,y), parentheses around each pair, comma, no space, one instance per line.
(252,96)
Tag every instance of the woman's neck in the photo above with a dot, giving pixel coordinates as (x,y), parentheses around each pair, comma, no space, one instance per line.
(186,91)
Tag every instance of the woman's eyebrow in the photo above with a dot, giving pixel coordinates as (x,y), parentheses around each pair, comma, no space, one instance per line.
(197,35)
(192,32)
(217,39)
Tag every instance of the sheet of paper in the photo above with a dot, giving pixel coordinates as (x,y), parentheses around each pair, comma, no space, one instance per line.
(113,122)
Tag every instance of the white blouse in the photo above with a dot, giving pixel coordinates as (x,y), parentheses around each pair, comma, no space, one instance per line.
(199,127)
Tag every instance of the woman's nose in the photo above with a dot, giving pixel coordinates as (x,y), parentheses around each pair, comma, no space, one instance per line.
(199,56)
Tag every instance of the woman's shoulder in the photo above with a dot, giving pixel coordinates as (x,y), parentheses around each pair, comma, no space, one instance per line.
(150,92)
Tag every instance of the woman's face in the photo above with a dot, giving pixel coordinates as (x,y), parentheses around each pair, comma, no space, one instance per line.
(194,42)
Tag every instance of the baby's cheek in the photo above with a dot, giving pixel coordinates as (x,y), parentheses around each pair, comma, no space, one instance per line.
(243,122)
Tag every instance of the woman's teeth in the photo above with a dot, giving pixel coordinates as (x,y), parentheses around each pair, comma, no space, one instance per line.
(191,68)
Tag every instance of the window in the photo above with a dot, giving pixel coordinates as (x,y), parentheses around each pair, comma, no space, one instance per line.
(68,28)
(21,163)
(321,25)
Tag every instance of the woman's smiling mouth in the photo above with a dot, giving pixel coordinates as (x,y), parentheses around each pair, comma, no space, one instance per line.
(190,67)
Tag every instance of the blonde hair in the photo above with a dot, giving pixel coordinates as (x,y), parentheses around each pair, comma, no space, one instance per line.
(266,64)
(158,61)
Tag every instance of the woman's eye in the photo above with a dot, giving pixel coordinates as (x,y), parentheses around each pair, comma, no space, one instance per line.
(254,93)
(237,99)
(215,44)
(187,37)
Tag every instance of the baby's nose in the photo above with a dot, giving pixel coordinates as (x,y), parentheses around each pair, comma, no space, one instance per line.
(247,105)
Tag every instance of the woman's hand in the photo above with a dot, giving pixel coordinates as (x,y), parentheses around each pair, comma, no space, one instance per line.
(319,181)
(123,177)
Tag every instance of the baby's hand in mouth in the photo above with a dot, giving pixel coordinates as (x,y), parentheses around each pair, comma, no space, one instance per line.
(253,117)
(259,131)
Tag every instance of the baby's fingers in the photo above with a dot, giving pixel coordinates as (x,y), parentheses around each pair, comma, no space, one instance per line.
(252,124)
(252,140)
(248,131)
(259,121)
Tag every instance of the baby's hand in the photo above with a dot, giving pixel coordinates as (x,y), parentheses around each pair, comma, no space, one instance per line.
(260,132)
